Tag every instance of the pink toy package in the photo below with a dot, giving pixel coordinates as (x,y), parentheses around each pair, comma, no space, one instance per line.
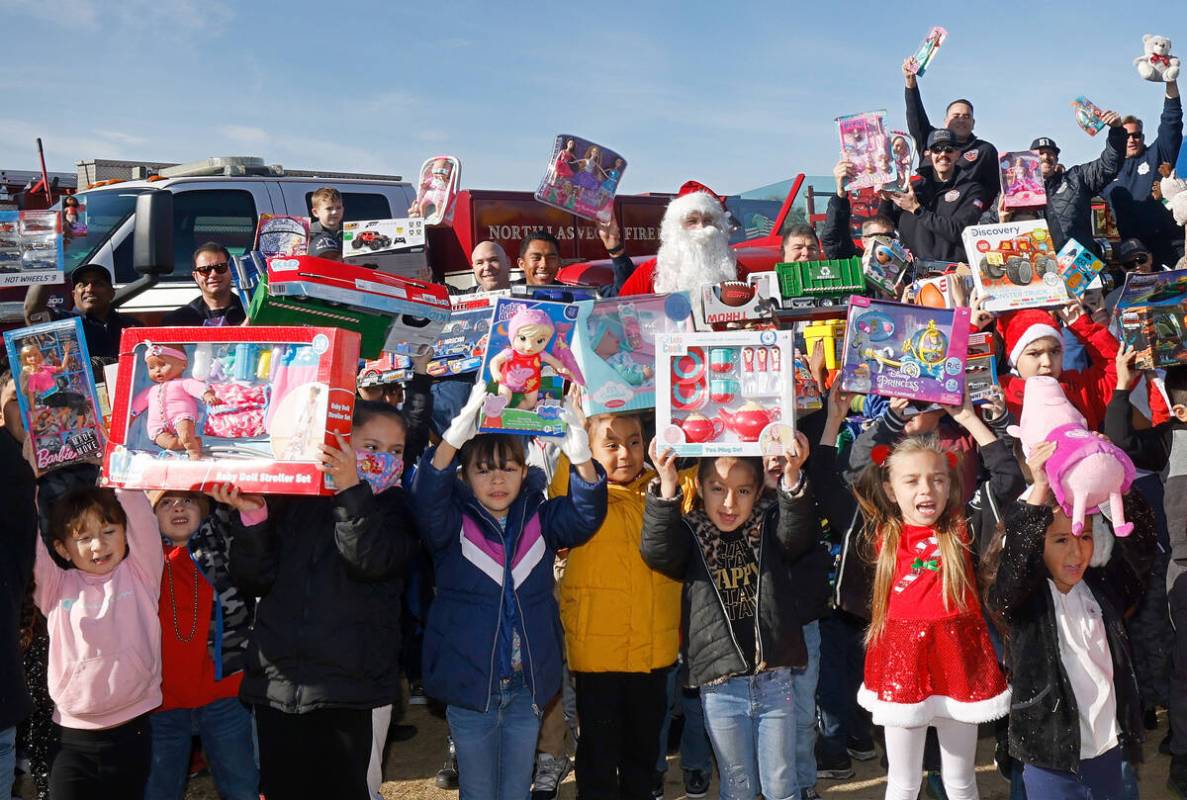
(1022,179)
(282,235)
(437,189)
(902,151)
(582,178)
(865,143)
(1087,470)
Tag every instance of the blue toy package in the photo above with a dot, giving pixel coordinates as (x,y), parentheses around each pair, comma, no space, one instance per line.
(1078,266)
(463,341)
(615,347)
(56,393)
(526,365)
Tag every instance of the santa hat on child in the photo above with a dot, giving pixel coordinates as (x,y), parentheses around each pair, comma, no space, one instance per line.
(1021,328)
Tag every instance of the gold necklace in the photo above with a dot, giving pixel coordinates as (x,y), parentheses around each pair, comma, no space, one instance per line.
(173,604)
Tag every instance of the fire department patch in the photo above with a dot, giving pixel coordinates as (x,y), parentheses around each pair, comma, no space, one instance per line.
(951,195)
(971,155)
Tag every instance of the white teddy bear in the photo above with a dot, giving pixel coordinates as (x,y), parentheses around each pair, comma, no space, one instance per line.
(1157,64)
(1174,194)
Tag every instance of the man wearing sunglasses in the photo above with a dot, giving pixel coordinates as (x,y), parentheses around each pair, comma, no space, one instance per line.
(937,205)
(1140,215)
(217,305)
(976,159)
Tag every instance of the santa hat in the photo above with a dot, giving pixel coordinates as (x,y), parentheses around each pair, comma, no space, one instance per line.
(695,196)
(1024,327)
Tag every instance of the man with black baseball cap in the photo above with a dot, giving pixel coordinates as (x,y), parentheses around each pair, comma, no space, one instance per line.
(93,292)
(937,205)
(975,159)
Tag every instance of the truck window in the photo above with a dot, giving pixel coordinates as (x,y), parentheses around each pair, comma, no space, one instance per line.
(106,211)
(359,206)
(226,216)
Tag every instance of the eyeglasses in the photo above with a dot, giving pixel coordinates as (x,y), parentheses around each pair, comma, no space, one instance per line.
(1136,261)
(940,149)
(1134,135)
(218,269)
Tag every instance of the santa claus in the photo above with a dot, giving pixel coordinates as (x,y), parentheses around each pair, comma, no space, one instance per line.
(694,246)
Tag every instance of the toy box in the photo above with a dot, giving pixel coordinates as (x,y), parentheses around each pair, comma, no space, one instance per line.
(831,334)
(980,374)
(462,345)
(866,144)
(615,347)
(526,365)
(418,311)
(820,283)
(282,235)
(394,246)
(436,191)
(554,292)
(388,368)
(950,290)
(250,406)
(1088,115)
(373,327)
(1014,265)
(807,393)
(1022,179)
(30,248)
(926,52)
(56,392)
(725,393)
(900,350)
(1153,313)
(582,178)
(1078,266)
(718,304)
(885,262)
(902,151)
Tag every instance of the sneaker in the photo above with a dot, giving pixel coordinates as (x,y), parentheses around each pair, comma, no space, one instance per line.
(1176,779)
(832,767)
(696,783)
(550,772)
(447,775)
(1003,760)
(416,694)
(861,749)
(657,785)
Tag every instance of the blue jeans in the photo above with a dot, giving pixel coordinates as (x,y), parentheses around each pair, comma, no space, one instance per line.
(695,753)
(803,684)
(228,741)
(7,761)
(751,723)
(842,647)
(496,749)
(1098,779)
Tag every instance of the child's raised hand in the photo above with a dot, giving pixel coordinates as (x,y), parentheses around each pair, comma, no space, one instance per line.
(839,402)
(796,453)
(340,464)
(962,412)
(665,465)
(1036,462)
(899,406)
(1071,312)
(1127,374)
(979,318)
(229,495)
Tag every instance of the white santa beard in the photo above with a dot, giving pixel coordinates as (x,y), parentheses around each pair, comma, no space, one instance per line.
(688,259)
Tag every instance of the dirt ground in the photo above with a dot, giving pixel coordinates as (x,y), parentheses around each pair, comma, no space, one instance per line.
(410,767)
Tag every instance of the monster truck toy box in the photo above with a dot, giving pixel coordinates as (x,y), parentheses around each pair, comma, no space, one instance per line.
(419,310)
(195,407)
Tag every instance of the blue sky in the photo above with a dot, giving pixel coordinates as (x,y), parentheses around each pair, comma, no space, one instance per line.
(734,94)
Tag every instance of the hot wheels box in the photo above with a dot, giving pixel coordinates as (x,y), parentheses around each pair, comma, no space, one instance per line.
(526,365)
(250,406)
(1078,266)
(900,350)
(56,392)
(728,393)
(1022,179)
(30,248)
(615,347)
(388,368)
(1014,265)
(981,369)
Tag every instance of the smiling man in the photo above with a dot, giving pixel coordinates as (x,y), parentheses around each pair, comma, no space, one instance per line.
(491,267)
(217,305)
(92,292)
(539,258)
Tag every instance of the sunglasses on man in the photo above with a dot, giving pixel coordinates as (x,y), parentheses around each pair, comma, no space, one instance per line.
(1134,135)
(940,149)
(218,269)
(1136,261)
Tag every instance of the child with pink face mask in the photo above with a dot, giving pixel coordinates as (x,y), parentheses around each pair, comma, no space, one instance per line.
(329,572)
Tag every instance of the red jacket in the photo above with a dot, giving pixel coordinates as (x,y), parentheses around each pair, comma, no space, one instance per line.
(642,280)
(188,673)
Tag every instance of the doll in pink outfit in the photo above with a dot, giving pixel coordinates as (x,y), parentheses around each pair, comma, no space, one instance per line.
(38,375)
(434,190)
(170,401)
(517,369)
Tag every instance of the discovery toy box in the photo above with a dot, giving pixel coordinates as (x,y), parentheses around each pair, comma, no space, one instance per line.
(1014,265)
(527,362)
(728,393)
(900,350)
(615,347)
(194,407)
(56,393)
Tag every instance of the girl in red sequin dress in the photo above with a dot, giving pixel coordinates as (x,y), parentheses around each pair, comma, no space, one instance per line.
(929,661)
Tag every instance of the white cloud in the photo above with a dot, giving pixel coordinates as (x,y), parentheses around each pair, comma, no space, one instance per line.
(246,134)
(120,137)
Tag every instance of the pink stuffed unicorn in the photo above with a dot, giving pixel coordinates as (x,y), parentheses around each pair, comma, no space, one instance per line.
(1086,470)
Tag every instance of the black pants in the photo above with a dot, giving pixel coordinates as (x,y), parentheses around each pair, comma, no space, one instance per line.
(108,763)
(620,714)
(321,753)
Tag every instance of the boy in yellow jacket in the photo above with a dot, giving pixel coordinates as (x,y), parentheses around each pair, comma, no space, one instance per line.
(622,625)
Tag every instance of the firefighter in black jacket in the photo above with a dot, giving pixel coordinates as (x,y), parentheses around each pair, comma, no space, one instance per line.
(937,206)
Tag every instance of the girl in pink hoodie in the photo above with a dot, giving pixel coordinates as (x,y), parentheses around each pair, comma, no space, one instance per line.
(104,640)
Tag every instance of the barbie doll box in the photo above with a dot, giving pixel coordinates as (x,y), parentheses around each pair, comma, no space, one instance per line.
(902,350)
(615,347)
(728,393)
(56,393)
(194,407)
(582,178)
(527,362)
(1022,179)
(1014,265)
